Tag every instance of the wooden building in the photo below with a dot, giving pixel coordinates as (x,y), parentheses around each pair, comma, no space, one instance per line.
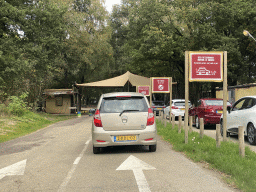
(238,91)
(59,101)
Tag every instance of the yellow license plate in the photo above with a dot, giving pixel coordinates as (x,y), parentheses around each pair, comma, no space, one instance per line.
(125,138)
(182,109)
(159,108)
(219,111)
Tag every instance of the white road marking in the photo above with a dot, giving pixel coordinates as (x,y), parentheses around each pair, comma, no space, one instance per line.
(62,187)
(137,165)
(14,169)
(77,160)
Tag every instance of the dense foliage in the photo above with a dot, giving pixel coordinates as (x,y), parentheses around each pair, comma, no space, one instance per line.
(54,43)
(51,44)
(157,34)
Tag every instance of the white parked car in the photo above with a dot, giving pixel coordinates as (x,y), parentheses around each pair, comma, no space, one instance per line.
(178,108)
(123,118)
(242,113)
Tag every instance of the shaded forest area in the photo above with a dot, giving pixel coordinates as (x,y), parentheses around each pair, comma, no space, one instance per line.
(54,43)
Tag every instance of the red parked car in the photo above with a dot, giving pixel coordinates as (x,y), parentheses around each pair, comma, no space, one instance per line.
(210,109)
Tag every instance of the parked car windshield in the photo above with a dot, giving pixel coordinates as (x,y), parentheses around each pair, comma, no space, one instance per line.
(215,102)
(119,104)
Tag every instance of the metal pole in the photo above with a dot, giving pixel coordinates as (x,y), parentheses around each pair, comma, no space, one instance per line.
(246,33)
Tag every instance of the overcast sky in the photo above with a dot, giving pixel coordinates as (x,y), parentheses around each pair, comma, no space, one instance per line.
(110,3)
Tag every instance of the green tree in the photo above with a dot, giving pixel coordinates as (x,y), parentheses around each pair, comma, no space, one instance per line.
(28,58)
(87,52)
(159,32)
(154,43)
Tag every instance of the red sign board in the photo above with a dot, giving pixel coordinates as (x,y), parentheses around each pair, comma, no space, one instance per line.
(143,89)
(206,66)
(160,85)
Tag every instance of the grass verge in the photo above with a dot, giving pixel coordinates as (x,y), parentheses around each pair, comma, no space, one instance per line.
(241,171)
(12,126)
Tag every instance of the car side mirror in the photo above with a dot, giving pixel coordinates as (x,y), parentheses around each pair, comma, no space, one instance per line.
(228,109)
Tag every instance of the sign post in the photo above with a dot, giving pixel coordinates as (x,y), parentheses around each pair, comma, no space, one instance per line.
(206,67)
(160,85)
(143,89)
(186,98)
(225,92)
(170,84)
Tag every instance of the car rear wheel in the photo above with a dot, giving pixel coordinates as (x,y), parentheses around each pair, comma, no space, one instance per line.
(251,134)
(197,123)
(152,148)
(96,150)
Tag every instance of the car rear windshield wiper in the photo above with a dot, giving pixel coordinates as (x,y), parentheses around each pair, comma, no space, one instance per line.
(126,111)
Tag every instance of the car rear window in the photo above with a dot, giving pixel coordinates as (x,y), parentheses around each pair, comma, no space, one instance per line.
(119,104)
(181,103)
(215,102)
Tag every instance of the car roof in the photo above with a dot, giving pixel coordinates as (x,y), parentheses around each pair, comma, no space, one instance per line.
(211,99)
(179,100)
(114,94)
(252,96)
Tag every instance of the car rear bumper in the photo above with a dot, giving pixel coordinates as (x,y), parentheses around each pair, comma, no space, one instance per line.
(102,138)
(210,119)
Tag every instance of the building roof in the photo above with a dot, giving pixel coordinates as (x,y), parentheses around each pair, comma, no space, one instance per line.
(58,92)
(119,81)
(238,86)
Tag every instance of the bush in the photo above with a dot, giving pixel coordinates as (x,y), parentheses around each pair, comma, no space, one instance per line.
(3,109)
(17,105)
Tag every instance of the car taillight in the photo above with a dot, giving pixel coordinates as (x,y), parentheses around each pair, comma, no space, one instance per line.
(174,107)
(151,118)
(97,119)
(209,110)
(153,107)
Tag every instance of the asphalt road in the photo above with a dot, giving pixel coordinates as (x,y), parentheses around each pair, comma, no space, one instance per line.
(60,158)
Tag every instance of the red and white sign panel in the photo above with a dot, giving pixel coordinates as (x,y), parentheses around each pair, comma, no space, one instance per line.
(206,66)
(160,85)
(143,89)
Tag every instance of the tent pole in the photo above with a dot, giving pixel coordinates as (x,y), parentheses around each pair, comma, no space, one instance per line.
(128,86)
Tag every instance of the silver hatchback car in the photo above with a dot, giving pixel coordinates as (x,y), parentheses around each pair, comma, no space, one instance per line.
(123,118)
